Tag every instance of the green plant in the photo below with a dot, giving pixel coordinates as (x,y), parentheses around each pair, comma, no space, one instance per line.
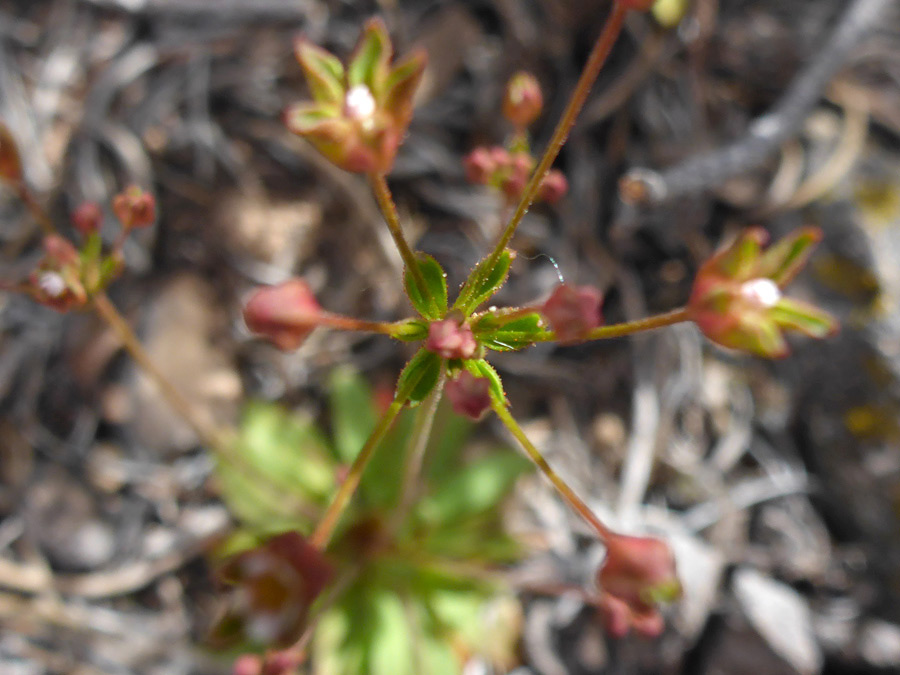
(348,580)
(416,572)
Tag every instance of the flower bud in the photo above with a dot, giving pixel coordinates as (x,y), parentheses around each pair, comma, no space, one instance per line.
(281,663)
(637,575)
(285,314)
(479,166)
(87,218)
(247,664)
(573,311)
(469,396)
(554,187)
(522,101)
(451,339)
(134,208)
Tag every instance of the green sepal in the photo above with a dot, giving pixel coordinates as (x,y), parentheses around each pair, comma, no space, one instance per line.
(803,317)
(401,84)
(481,284)
(481,368)
(306,118)
(759,336)
(324,72)
(420,376)
(429,301)
(92,248)
(410,330)
(783,260)
(371,58)
(739,260)
(491,331)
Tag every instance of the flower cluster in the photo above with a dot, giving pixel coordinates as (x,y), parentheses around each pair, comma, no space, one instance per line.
(67,277)
(507,169)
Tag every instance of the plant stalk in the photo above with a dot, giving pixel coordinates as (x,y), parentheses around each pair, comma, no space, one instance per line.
(389,211)
(566,492)
(602,48)
(629,327)
(325,529)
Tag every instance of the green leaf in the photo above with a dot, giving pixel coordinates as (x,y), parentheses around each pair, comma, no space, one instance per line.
(475,488)
(289,462)
(371,58)
(420,376)
(391,642)
(482,283)
(430,299)
(324,72)
(491,331)
(353,414)
(481,368)
(447,442)
(783,260)
(803,317)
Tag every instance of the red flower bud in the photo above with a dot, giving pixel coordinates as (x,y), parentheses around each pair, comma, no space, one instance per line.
(450,339)
(469,396)
(87,218)
(637,575)
(247,664)
(479,165)
(522,101)
(554,187)
(134,208)
(573,311)
(281,663)
(286,314)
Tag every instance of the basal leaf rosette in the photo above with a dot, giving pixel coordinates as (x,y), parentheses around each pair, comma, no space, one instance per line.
(359,114)
(737,299)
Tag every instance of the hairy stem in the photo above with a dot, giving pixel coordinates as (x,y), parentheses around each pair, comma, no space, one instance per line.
(601,50)
(219,441)
(208,434)
(34,207)
(566,492)
(629,327)
(325,529)
(389,211)
(340,322)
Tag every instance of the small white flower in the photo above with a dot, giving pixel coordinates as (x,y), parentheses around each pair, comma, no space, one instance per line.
(52,284)
(359,104)
(764,292)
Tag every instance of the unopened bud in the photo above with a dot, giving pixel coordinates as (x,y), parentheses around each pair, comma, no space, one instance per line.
(247,664)
(285,314)
(451,339)
(522,101)
(134,208)
(554,187)
(573,311)
(479,166)
(469,396)
(87,218)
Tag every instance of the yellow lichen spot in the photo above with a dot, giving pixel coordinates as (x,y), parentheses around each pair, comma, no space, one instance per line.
(669,13)
(879,201)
